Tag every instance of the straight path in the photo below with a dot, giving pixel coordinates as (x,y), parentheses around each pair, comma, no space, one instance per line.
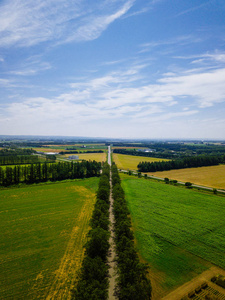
(112,251)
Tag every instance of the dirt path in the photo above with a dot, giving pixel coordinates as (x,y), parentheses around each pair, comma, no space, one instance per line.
(195,282)
(112,252)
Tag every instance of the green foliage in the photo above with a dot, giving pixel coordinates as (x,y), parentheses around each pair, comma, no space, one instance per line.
(186,162)
(35,173)
(132,280)
(166,180)
(93,278)
(188,184)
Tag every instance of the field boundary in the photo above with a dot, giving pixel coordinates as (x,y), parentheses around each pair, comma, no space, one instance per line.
(195,282)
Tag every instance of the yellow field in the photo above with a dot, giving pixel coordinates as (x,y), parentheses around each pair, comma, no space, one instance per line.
(213,176)
(46,150)
(130,162)
(99,157)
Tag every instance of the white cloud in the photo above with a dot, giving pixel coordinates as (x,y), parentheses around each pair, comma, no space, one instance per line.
(124,95)
(27,23)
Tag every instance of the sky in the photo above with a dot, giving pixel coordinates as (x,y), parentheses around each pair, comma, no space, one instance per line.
(113,68)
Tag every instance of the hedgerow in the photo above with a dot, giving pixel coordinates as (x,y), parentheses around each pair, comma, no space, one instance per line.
(92,283)
(132,281)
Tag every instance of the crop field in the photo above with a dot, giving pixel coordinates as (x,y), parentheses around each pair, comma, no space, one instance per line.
(99,157)
(179,232)
(43,229)
(130,162)
(213,176)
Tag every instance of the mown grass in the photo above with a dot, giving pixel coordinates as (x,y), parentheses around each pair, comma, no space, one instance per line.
(178,231)
(212,176)
(130,162)
(43,232)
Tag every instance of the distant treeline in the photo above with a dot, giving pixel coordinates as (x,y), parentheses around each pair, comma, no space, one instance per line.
(187,162)
(93,280)
(17,151)
(145,154)
(76,151)
(132,283)
(169,153)
(42,172)
(18,159)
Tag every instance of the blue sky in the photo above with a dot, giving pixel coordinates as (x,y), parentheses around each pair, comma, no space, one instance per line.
(113,68)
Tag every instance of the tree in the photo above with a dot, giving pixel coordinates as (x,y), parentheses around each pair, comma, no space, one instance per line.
(166,180)
(188,184)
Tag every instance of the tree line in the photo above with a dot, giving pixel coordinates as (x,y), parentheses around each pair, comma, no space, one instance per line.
(76,151)
(18,159)
(133,283)
(41,172)
(187,162)
(92,282)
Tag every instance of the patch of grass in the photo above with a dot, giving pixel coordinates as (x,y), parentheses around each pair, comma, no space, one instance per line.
(176,228)
(43,232)
(130,162)
(212,176)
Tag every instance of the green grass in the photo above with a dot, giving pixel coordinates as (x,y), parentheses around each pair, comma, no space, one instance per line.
(43,231)
(176,228)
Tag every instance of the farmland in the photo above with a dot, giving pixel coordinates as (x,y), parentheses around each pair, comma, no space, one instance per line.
(179,232)
(44,229)
(212,176)
(130,162)
(99,157)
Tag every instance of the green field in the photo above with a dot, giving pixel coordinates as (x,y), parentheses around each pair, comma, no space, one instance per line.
(179,232)
(43,232)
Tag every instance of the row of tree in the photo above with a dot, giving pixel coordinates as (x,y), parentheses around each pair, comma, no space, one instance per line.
(76,151)
(187,162)
(133,283)
(16,151)
(18,159)
(92,283)
(42,172)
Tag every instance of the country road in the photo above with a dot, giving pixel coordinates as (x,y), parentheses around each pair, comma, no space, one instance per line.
(112,251)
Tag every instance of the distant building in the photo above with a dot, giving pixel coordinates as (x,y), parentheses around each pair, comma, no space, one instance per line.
(51,153)
(73,157)
(147,150)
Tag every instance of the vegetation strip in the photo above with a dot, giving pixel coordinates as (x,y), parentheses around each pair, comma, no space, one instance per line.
(93,279)
(35,173)
(187,162)
(112,250)
(132,281)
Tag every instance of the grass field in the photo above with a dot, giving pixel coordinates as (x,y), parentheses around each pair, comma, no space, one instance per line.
(99,157)
(43,232)
(130,162)
(179,232)
(213,176)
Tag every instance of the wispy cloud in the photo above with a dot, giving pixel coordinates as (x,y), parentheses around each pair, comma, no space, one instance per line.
(194,8)
(177,41)
(31,66)
(28,23)
(122,94)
